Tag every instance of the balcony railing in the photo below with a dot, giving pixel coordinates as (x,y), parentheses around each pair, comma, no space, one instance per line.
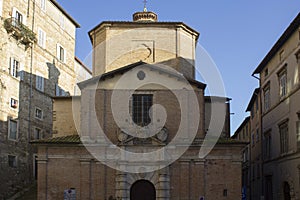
(19,31)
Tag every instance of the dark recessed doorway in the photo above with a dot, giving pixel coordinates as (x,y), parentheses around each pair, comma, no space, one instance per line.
(142,190)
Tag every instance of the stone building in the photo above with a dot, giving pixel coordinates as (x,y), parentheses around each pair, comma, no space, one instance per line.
(84,160)
(280,95)
(243,134)
(255,144)
(275,120)
(37,48)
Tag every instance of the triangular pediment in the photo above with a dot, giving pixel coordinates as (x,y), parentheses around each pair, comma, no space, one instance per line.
(159,71)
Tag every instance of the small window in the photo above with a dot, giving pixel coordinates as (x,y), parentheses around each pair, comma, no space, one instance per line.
(225,192)
(282,84)
(12,161)
(12,130)
(38,113)
(61,54)
(37,134)
(284,137)
(39,83)
(41,38)
(13,103)
(17,17)
(267,99)
(281,55)
(14,67)
(266,72)
(43,5)
(62,22)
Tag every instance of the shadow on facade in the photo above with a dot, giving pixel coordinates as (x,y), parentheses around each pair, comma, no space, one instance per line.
(32,115)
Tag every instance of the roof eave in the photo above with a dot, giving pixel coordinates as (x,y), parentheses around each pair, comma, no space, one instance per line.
(109,23)
(253,98)
(280,42)
(65,13)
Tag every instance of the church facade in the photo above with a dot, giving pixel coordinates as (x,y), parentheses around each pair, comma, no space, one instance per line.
(137,128)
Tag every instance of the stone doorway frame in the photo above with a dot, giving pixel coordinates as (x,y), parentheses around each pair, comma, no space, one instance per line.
(160,179)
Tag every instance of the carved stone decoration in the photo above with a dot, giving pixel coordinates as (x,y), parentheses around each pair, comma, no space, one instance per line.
(160,179)
(122,136)
(163,134)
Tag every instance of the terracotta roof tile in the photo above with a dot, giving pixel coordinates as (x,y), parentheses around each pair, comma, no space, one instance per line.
(70,139)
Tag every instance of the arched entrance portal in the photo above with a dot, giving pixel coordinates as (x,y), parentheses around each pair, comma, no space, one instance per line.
(142,189)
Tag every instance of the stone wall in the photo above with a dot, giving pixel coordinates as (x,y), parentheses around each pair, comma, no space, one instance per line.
(37,63)
(217,176)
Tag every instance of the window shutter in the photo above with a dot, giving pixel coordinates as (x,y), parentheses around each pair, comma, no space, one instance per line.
(1,7)
(57,51)
(14,11)
(10,65)
(65,55)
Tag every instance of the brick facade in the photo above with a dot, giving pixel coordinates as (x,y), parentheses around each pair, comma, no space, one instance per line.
(77,161)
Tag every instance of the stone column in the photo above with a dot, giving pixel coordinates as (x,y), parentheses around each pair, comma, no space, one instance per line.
(163,185)
(85,179)
(122,189)
(42,185)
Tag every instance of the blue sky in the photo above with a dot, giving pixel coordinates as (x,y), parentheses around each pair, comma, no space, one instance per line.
(237,34)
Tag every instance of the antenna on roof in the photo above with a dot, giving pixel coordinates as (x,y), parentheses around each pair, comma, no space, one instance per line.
(145,5)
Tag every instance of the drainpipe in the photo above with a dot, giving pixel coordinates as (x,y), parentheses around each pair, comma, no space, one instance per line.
(91,183)
(104,129)
(30,75)
(47,173)
(30,81)
(261,135)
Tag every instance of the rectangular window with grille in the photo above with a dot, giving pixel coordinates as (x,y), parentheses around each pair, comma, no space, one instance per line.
(141,104)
